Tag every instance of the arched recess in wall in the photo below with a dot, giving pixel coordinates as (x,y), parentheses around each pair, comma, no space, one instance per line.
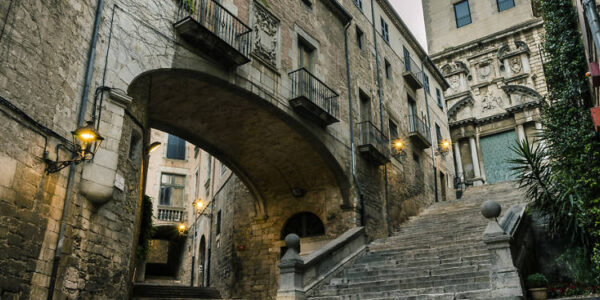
(268,148)
(304,224)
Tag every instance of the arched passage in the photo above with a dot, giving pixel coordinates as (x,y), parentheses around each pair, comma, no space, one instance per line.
(267,148)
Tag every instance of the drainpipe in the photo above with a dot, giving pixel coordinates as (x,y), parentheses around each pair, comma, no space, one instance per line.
(435,187)
(380,92)
(73,168)
(351,114)
(593,21)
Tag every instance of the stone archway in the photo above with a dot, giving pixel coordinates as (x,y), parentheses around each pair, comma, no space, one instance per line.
(267,148)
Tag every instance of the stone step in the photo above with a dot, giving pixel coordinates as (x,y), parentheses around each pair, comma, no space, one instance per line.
(143,291)
(438,254)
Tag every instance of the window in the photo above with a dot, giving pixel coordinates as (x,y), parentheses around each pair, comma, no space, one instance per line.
(438,133)
(438,93)
(175,147)
(505,4)
(305,55)
(385,30)
(358,3)
(462,13)
(365,107)
(393,130)
(406,59)
(388,69)
(218,227)
(303,224)
(359,37)
(172,190)
(426,82)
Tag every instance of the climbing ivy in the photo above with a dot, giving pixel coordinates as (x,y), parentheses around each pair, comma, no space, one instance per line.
(146,229)
(563,179)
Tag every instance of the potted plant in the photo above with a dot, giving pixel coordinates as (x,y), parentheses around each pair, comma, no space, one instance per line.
(536,283)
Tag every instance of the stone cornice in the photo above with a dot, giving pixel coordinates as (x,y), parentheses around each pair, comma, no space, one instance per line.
(537,22)
(509,89)
(501,116)
(458,95)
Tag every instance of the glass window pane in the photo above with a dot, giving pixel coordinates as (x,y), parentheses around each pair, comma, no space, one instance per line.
(505,4)
(178,179)
(463,14)
(177,197)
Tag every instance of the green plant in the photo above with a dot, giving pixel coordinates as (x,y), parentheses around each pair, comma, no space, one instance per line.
(575,264)
(146,229)
(563,179)
(536,280)
(189,5)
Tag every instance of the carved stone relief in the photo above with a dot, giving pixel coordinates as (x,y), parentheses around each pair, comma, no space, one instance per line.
(515,64)
(490,102)
(266,35)
(455,83)
(484,70)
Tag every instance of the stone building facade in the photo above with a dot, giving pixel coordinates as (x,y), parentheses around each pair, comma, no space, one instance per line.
(490,53)
(297,98)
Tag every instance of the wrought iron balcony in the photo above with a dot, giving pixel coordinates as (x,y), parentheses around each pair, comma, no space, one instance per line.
(171,214)
(373,145)
(313,99)
(413,75)
(419,132)
(214,31)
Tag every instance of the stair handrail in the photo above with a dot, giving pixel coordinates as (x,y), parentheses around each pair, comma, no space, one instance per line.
(299,275)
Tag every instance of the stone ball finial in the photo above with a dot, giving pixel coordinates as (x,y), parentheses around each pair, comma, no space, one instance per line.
(292,241)
(491,209)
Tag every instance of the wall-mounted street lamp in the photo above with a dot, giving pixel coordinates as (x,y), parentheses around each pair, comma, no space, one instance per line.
(86,141)
(444,147)
(153,147)
(398,146)
(181,228)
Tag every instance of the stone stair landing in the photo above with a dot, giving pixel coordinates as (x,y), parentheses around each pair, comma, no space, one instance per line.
(439,254)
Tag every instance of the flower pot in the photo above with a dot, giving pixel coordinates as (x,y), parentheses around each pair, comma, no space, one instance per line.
(538,293)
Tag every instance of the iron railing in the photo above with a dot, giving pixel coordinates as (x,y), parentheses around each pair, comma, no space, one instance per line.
(371,135)
(411,66)
(505,4)
(305,84)
(416,125)
(171,214)
(218,20)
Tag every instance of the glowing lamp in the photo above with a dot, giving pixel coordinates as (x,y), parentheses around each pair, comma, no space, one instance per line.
(153,146)
(181,228)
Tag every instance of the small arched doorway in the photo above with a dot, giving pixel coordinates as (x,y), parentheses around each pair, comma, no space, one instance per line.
(202,261)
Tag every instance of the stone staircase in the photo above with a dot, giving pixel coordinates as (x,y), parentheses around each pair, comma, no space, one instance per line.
(149,291)
(438,254)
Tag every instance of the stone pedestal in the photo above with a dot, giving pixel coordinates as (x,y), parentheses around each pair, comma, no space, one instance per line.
(290,272)
(504,276)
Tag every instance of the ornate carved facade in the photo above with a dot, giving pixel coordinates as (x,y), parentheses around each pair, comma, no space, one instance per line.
(497,85)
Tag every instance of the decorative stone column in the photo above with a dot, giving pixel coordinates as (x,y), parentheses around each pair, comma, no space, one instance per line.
(521,132)
(504,276)
(538,127)
(475,158)
(290,271)
(458,158)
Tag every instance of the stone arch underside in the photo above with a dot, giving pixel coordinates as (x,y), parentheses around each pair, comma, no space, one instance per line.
(269,150)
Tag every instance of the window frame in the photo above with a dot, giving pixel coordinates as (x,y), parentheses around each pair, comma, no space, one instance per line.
(456,13)
(501,10)
(438,93)
(358,4)
(426,83)
(171,185)
(168,147)
(388,69)
(360,35)
(396,134)
(385,30)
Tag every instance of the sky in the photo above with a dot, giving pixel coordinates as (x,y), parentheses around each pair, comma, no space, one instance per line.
(411,12)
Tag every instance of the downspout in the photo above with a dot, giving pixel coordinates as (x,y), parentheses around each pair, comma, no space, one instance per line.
(351,117)
(73,168)
(435,187)
(593,21)
(380,92)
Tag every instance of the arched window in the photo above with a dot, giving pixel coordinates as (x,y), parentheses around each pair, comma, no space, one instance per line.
(303,224)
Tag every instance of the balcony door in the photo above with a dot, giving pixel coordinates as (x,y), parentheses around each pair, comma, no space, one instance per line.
(307,87)
(412,114)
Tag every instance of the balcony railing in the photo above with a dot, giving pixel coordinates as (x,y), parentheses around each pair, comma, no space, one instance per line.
(171,214)
(373,144)
(209,24)
(419,132)
(413,73)
(313,98)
